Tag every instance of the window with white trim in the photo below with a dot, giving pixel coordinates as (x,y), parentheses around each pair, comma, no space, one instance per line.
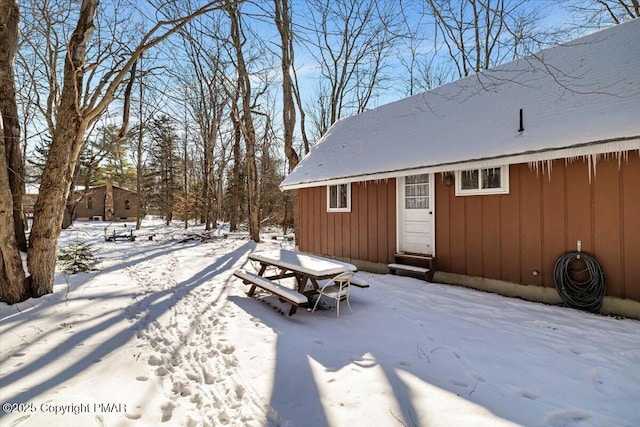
(339,198)
(482,181)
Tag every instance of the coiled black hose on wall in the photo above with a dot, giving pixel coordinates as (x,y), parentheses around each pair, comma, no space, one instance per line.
(576,292)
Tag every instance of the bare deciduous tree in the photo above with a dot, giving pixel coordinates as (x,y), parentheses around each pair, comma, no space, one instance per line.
(235,181)
(599,13)
(246,122)
(9,109)
(87,91)
(351,40)
(479,34)
(13,286)
(282,17)
(204,75)
(285,29)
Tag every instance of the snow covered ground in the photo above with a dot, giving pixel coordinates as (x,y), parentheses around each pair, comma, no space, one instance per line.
(163,334)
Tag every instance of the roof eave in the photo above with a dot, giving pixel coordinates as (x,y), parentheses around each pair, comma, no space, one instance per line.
(613,145)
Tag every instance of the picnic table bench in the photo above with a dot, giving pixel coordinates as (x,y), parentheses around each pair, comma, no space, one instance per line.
(235,235)
(287,237)
(361,283)
(113,237)
(289,295)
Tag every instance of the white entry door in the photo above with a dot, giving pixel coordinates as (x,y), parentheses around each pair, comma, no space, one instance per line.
(416,214)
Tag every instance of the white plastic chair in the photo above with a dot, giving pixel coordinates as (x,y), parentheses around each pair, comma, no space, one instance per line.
(336,289)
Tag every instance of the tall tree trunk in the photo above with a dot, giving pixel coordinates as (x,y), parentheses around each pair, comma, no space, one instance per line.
(219,192)
(207,190)
(235,181)
(51,203)
(61,161)
(185,178)
(210,198)
(139,145)
(283,22)
(248,129)
(11,126)
(13,285)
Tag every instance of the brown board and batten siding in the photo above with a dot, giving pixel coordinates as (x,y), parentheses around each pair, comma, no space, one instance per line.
(367,233)
(517,237)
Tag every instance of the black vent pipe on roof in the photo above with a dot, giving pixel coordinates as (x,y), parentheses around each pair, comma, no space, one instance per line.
(521,129)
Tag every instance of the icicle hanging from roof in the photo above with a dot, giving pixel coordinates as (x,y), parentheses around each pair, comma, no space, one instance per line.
(540,165)
(591,159)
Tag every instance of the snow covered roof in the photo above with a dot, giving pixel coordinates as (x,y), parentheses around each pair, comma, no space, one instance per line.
(578,98)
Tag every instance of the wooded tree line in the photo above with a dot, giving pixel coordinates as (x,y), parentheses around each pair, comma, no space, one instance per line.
(203,106)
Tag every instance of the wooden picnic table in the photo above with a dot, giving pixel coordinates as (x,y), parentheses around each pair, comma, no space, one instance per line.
(306,268)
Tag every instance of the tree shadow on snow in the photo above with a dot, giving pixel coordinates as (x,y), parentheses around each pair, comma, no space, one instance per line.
(308,342)
(140,315)
(75,283)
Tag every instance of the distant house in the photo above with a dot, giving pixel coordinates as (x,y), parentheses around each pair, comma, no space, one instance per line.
(106,203)
(495,175)
(29,200)
(28,204)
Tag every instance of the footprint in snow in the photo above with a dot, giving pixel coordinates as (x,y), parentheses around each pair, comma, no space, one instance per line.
(458,383)
(167,411)
(598,383)
(478,377)
(196,399)
(528,394)
(155,361)
(571,417)
(209,378)
(181,389)
(162,371)
(239,391)
(224,418)
(226,349)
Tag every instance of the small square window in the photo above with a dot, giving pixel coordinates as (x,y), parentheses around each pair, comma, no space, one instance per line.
(482,181)
(339,198)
